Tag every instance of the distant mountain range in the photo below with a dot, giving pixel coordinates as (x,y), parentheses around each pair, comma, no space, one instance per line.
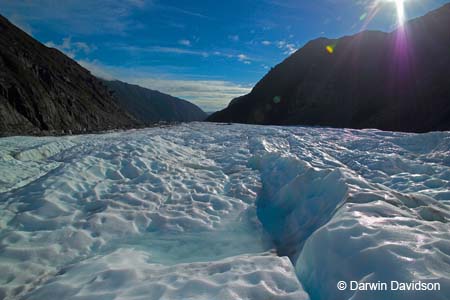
(42,91)
(149,106)
(392,81)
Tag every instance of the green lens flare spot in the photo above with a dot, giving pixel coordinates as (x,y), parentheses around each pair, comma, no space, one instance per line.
(276,99)
(363,17)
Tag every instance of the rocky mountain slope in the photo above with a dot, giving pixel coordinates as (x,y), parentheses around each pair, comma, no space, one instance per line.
(390,81)
(43,91)
(149,106)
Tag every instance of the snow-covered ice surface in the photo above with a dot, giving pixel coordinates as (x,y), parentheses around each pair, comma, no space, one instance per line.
(208,211)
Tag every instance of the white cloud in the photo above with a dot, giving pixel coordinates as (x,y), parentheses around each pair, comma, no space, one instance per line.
(175,50)
(244,58)
(70,48)
(161,49)
(281,44)
(287,47)
(290,48)
(184,42)
(210,95)
(98,69)
(266,43)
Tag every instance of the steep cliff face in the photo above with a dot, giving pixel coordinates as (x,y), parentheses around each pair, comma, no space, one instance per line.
(149,106)
(391,81)
(43,91)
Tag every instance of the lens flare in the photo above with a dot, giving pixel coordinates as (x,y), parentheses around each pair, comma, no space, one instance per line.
(400,6)
(400,11)
(330,49)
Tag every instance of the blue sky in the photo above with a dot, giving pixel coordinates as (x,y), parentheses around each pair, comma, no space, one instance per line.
(205,51)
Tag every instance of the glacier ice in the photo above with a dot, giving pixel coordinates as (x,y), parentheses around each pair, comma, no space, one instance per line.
(129,274)
(362,206)
(210,211)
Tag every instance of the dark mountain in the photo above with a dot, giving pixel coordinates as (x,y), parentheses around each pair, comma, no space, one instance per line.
(391,81)
(43,91)
(149,106)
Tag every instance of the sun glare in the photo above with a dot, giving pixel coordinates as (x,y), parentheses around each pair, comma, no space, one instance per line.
(400,11)
(400,6)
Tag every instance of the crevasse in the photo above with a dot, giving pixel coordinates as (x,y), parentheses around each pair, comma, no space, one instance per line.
(362,206)
(195,212)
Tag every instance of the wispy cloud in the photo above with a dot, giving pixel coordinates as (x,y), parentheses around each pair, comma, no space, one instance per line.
(183,51)
(211,95)
(87,16)
(182,11)
(234,38)
(100,70)
(138,3)
(287,47)
(244,58)
(162,49)
(184,42)
(71,48)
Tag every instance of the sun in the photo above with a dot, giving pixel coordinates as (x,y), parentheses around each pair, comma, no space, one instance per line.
(400,11)
(400,6)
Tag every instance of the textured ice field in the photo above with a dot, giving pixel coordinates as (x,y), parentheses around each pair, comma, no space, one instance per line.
(206,212)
